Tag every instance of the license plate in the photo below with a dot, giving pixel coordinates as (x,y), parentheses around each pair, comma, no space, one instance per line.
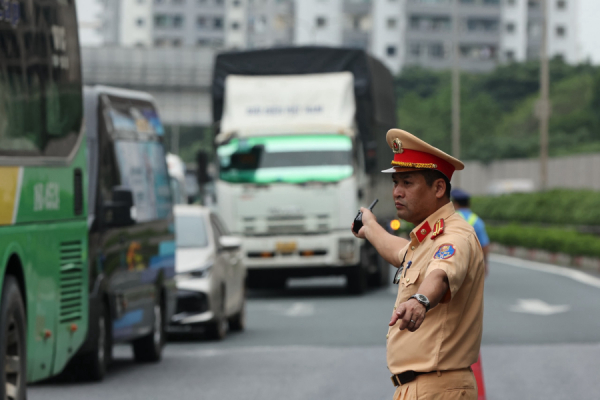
(286,247)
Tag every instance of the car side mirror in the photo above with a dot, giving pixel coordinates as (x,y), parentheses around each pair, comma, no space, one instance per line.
(117,212)
(230,243)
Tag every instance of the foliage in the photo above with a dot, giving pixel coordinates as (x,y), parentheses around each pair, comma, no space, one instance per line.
(560,206)
(555,240)
(497,109)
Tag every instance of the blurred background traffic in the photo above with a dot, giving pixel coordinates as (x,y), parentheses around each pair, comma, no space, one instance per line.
(186,171)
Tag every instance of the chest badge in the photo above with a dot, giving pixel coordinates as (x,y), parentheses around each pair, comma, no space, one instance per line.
(445,252)
(438,228)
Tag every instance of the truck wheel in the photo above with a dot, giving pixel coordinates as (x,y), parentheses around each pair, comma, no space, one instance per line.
(149,347)
(96,361)
(381,277)
(357,279)
(13,348)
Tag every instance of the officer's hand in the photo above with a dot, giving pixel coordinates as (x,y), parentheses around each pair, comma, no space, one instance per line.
(407,311)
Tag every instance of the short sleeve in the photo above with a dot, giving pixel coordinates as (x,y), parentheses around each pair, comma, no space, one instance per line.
(453,258)
(482,235)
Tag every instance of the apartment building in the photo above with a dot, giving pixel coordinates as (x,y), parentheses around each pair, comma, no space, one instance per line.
(399,32)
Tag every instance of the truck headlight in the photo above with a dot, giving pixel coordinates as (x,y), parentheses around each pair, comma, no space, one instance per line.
(346,249)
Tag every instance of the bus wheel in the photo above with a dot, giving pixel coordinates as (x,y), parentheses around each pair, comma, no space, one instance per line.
(149,347)
(12,342)
(95,362)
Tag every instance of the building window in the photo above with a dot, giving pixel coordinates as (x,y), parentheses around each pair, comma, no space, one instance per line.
(219,2)
(235,25)
(533,3)
(488,25)
(511,2)
(561,4)
(321,22)
(139,22)
(429,23)
(201,22)
(202,42)
(161,21)
(176,42)
(415,49)
(177,21)
(510,55)
(510,27)
(436,50)
(218,23)
(391,23)
(237,3)
(159,42)
(391,51)
(561,31)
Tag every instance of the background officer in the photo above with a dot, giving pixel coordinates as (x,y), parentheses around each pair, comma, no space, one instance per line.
(435,330)
(462,204)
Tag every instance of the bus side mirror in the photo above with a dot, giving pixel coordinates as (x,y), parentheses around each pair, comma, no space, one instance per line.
(117,213)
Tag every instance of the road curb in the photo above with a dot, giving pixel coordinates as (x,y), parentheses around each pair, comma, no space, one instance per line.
(587,264)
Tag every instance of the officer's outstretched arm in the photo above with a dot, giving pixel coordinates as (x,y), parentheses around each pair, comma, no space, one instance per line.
(387,245)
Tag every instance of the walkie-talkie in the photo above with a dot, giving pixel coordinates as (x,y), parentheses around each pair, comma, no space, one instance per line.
(358,220)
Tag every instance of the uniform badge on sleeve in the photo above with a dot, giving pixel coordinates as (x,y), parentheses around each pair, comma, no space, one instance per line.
(438,228)
(444,252)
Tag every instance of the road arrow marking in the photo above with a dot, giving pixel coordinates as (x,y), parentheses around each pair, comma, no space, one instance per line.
(538,307)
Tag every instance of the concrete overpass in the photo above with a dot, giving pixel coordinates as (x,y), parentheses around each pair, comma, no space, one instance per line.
(179,78)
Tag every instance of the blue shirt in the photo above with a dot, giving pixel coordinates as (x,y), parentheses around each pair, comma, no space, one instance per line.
(477,224)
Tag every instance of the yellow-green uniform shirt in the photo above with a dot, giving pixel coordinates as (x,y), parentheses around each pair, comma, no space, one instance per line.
(450,335)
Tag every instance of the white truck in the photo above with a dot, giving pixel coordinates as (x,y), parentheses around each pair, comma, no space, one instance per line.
(292,170)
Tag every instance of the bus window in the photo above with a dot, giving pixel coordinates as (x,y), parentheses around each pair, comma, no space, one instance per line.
(40,81)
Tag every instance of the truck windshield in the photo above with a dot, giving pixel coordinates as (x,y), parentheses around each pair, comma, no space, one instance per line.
(292,159)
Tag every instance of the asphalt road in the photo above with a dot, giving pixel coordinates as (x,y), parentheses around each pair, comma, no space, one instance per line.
(314,341)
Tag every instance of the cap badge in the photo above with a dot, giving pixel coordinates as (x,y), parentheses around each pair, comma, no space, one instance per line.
(438,228)
(397,146)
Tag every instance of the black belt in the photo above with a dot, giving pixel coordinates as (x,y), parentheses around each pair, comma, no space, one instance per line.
(406,377)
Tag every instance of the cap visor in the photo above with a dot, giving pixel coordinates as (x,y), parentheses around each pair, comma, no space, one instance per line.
(393,170)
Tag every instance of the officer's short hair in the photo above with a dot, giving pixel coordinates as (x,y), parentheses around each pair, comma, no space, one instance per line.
(432,175)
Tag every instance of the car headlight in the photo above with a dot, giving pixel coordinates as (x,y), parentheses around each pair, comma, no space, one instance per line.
(346,249)
(200,272)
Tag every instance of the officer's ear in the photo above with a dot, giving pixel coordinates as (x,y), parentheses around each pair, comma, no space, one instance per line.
(440,188)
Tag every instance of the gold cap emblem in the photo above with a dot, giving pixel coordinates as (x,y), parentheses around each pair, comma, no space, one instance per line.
(397,146)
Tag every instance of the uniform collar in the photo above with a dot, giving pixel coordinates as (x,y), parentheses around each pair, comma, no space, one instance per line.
(424,229)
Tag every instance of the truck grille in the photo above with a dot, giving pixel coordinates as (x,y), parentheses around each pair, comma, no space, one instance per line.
(285,229)
(71,281)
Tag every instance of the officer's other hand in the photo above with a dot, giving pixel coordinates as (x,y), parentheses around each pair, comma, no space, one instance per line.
(407,311)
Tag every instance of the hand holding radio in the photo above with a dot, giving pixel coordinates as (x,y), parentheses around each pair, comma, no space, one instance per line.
(358,219)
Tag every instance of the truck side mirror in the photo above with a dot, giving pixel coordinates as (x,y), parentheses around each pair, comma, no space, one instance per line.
(202,169)
(117,212)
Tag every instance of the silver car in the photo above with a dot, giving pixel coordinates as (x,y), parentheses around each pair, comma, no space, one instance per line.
(210,274)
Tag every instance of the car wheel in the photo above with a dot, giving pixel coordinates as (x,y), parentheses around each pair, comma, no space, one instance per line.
(217,329)
(96,362)
(149,348)
(12,342)
(237,323)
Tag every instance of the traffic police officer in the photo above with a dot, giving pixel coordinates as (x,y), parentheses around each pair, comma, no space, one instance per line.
(462,204)
(435,331)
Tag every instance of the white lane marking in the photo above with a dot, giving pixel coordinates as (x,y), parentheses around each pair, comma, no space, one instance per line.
(538,307)
(297,309)
(570,273)
(300,310)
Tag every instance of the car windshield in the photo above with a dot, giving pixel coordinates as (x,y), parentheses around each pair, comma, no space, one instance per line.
(292,159)
(190,231)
